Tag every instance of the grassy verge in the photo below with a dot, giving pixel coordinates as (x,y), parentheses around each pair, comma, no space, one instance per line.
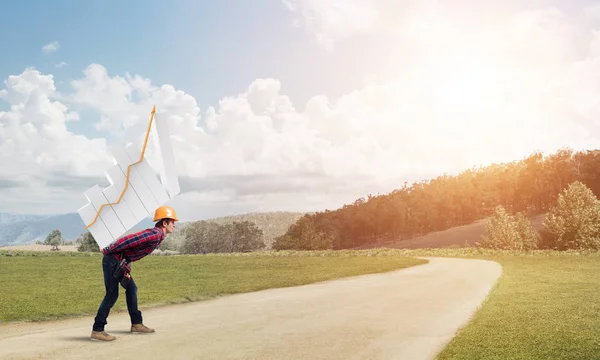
(546,305)
(38,286)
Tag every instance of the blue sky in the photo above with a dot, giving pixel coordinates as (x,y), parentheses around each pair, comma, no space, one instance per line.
(179,43)
(209,49)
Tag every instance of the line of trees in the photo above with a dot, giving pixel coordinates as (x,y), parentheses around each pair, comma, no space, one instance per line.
(573,223)
(272,224)
(531,185)
(203,237)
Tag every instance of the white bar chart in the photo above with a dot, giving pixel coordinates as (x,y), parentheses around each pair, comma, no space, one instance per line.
(135,177)
(118,180)
(150,179)
(134,191)
(98,229)
(168,172)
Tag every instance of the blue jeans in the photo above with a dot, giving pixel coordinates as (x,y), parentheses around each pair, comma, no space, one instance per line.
(109,264)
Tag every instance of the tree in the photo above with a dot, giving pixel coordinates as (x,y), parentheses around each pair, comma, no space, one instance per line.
(200,238)
(246,237)
(86,242)
(574,221)
(304,236)
(506,232)
(528,236)
(210,237)
(54,238)
(589,167)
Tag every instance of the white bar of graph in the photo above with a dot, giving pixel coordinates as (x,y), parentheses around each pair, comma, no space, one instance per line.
(144,192)
(159,193)
(135,178)
(117,179)
(108,214)
(122,209)
(168,171)
(98,230)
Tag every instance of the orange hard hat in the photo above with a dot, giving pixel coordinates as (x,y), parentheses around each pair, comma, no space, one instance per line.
(165,212)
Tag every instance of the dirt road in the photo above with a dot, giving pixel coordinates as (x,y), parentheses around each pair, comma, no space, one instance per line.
(37,247)
(407,314)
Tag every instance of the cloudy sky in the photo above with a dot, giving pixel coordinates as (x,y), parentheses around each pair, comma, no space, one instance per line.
(288,104)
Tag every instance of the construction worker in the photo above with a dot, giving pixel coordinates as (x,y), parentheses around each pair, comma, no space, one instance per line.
(132,247)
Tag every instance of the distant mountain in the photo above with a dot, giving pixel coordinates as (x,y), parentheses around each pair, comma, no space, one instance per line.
(24,229)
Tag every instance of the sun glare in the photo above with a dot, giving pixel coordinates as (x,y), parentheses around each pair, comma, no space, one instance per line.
(465,100)
(459,81)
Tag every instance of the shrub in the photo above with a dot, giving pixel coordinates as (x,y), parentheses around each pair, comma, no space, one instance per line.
(574,221)
(506,232)
(528,236)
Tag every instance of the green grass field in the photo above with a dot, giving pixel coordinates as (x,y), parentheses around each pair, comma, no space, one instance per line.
(546,305)
(542,308)
(49,286)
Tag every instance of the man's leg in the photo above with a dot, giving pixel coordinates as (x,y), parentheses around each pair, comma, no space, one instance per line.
(134,312)
(111,285)
(132,303)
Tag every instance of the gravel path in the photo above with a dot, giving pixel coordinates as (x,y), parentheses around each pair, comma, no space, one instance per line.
(411,313)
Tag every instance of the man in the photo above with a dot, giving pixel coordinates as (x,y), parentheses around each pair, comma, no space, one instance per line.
(132,248)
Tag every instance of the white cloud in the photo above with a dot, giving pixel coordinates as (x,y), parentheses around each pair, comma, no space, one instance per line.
(335,20)
(61,64)
(252,146)
(474,97)
(36,148)
(51,47)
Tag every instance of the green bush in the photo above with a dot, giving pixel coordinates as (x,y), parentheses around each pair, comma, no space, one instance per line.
(574,221)
(507,232)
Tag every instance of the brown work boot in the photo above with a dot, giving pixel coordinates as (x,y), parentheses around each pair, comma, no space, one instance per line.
(102,336)
(141,328)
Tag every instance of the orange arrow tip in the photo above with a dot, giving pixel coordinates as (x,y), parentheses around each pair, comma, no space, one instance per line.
(154,109)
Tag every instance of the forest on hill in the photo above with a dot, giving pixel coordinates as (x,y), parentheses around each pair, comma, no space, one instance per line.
(270,224)
(530,186)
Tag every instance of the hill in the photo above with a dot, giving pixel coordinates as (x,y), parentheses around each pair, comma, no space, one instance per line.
(22,229)
(459,236)
(430,206)
(272,224)
(26,229)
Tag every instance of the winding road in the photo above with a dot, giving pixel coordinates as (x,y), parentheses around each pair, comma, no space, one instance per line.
(411,313)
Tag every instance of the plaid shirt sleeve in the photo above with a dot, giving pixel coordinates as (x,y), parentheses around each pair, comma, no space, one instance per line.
(135,240)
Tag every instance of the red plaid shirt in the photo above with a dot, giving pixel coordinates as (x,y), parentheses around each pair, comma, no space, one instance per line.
(135,246)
